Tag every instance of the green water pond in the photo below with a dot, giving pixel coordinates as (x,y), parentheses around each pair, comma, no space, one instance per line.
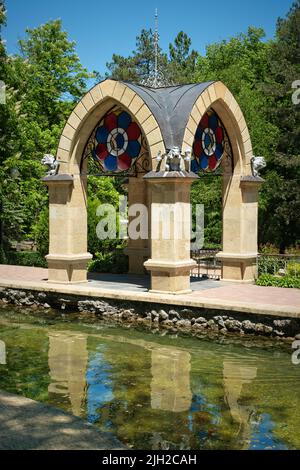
(150,389)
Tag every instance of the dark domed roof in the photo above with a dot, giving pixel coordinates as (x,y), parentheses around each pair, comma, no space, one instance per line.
(171,106)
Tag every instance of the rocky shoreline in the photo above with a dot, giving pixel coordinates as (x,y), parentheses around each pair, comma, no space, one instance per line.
(194,321)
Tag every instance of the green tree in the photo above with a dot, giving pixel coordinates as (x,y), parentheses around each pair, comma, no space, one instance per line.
(140,65)
(182,60)
(11,215)
(280,208)
(44,82)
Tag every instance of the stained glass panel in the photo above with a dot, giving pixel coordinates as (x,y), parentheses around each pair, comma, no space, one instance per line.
(211,144)
(116,144)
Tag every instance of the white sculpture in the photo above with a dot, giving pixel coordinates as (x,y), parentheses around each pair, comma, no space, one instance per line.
(174,161)
(188,158)
(257,163)
(52,164)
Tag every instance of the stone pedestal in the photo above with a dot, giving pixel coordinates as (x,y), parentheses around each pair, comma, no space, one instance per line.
(68,257)
(170,261)
(138,250)
(240,208)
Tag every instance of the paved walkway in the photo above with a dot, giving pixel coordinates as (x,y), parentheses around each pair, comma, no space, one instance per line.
(206,293)
(26,424)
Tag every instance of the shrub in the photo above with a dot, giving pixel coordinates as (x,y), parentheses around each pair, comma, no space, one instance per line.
(41,232)
(269,264)
(26,258)
(268,249)
(109,262)
(293,269)
(276,281)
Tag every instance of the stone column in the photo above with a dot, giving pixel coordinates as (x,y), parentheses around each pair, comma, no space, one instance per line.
(138,251)
(68,257)
(170,261)
(240,214)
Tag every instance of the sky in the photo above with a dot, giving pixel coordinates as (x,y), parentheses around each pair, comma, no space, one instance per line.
(101,28)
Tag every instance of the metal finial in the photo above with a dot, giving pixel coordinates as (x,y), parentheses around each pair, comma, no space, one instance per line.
(156,39)
(156,78)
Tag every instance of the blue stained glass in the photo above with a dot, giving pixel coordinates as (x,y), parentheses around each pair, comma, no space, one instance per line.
(203,161)
(198,135)
(111,162)
(206,140)
(124,120)
(94,155)
(219,151)
(120,141)
(101,135)
(213,122)
(195,166)
(133,148)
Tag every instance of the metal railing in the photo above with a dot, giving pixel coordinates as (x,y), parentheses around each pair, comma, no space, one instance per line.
(208,266)
(278,264)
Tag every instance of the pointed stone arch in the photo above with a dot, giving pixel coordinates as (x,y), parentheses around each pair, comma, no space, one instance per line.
(68,256)
(168,117)
(239,189)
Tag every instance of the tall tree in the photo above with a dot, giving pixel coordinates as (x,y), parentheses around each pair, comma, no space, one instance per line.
(280,213)
(182,60)
(11,214)
(140,65)
(43,83)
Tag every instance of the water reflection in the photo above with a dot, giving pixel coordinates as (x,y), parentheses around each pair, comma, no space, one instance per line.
(67,358)
(156,392)
(170,384)
(236,376)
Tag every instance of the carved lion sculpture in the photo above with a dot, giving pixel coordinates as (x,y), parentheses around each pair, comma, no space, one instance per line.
(174,160)
(257,163)
(52,164)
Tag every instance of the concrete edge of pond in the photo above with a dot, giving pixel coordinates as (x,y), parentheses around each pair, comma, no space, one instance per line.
(193,319)
(186,300)
(26,424)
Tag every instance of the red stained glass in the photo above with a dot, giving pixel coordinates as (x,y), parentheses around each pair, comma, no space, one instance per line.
(133,131)
(212,162)
(101,151)
(110,122)
(219,134)
(124,162)
(204,121)
(197,148)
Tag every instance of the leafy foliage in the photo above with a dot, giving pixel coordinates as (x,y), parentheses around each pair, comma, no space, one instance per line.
(43,82)
(276,281)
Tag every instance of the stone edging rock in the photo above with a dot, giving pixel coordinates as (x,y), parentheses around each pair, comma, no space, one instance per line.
(193,320)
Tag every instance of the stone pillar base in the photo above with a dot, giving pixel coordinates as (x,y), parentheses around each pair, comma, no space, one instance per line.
(170,277)
(136,259)
(68,269)
(238,267)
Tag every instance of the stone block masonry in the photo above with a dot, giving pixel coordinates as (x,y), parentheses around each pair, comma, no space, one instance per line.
(194,321)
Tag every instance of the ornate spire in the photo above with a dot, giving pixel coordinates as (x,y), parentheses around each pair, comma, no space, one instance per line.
(156,77)
(155,40)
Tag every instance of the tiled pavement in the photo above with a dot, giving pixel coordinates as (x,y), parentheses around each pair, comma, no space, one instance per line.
(206,293)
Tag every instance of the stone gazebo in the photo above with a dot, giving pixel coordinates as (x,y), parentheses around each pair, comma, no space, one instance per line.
(132,130)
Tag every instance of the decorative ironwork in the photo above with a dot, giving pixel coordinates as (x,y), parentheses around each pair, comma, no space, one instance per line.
(116,147)
(156,77)
(211,147)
